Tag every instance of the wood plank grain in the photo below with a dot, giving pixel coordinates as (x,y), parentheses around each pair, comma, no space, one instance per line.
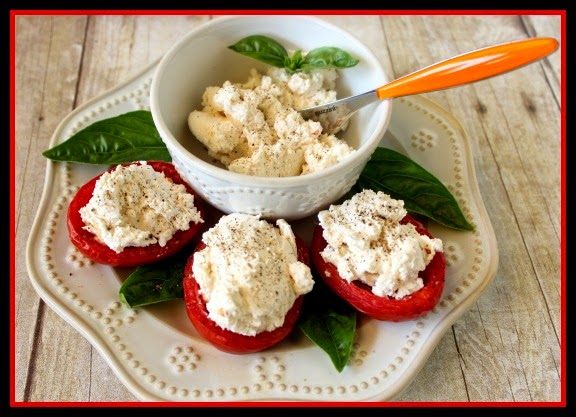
(118,47)
(524,206)
(47,68)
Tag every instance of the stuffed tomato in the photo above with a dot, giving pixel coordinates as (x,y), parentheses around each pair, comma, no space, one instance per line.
(134,214)
(244,284)
(379,259)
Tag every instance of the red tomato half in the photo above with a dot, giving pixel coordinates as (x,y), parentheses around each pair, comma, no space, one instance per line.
(226,340)
(90,247)
(360,295)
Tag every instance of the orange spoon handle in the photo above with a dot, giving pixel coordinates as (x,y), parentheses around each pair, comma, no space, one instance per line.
(469,67)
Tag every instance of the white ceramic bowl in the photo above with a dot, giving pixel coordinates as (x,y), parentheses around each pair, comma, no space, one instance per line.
(202,59)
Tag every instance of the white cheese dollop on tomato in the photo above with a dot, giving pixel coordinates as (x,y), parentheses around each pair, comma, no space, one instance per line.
(367,242)
(249,273)
(135,205)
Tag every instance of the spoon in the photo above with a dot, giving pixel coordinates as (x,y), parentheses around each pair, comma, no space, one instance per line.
(461,69)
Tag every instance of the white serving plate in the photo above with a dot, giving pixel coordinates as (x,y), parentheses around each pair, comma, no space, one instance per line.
(156,352)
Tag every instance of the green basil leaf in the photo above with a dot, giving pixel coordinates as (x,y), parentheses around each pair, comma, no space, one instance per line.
(403,179)
(330,323)
(293,64)
(121,139)
(154,283)
(328,57)
(262,48)
(271,52)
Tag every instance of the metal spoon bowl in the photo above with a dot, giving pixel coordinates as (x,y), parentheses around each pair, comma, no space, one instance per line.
(459,70)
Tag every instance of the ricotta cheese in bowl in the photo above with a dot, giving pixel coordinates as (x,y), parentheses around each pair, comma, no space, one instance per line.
(245,149)
(254,128)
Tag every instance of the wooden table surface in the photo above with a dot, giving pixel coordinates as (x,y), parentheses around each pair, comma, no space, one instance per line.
(506,348)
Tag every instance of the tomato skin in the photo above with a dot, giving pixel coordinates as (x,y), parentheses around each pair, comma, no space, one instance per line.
(226,340)
(360,295)
(86,241)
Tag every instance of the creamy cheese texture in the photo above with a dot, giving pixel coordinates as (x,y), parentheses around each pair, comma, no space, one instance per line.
(253,128)
(135,205)
(366,242)
(249,274)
